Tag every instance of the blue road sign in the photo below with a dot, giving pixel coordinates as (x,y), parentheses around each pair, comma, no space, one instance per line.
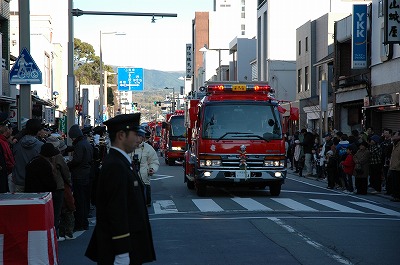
(25,70)
(130,79)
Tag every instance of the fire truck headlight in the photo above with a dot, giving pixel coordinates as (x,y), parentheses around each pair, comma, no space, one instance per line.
(176,148)
(210,163)
(274,163)
(215,162)
(268,163)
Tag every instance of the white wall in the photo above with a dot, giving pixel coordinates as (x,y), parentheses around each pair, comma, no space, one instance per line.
(282,28)
(382,72)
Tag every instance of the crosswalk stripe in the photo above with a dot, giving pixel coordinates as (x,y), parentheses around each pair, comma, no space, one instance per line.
(251,205)
(292,204)
(207,205)
(336,206)
(164,206)
(376,208)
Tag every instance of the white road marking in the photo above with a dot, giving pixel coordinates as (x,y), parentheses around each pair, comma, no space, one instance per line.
(207,205)
(162,177)
(164,206)
(333,255)
(251,205)
(336,206)
(292,204)
(376,208)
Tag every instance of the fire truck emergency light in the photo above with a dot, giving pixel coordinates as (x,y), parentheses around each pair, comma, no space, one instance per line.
(239,88)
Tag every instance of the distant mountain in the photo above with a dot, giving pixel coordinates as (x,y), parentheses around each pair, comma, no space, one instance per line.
(155,79)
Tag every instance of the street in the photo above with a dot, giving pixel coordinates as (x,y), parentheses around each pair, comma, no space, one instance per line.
(306,224)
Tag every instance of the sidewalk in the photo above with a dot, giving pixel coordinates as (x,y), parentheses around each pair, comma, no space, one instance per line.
(324,183)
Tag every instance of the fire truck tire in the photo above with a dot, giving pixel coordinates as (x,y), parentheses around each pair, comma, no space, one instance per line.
(201,189)
(190,184)
(275,189)
(171,162)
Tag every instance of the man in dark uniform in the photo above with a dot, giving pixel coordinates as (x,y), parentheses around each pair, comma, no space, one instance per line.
(122,234)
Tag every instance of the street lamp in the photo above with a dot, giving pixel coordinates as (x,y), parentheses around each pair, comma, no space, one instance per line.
(102,91)
(204,50)
(173,97)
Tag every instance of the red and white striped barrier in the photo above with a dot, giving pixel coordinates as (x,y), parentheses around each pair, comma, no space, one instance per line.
(27,233)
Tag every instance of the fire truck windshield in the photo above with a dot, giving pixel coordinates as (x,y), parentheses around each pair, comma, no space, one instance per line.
(177,126)
(241,121)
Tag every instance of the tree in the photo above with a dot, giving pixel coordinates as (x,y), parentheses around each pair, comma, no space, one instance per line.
(87,64)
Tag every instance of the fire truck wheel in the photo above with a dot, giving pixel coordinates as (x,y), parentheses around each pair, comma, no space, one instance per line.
(275,189)
(190,184)
(201,189)
(171,162)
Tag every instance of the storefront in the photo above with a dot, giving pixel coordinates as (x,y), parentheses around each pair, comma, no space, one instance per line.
(384,111)
(349,113)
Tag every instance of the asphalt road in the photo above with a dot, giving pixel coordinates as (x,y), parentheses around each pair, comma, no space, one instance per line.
(306,224)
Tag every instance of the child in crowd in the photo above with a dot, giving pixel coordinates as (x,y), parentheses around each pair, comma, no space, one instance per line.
(298,153)
(331,168)
(319,161)
(348,169)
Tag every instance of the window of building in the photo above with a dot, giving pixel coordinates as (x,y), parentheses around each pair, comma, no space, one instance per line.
(299,47)
(243,27)
(243,8)
(243,15)
(306,44)
(46,77)
(306,83)
(299,82)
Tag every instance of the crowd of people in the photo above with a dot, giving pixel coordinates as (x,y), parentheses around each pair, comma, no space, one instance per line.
(359,163)
(37,160)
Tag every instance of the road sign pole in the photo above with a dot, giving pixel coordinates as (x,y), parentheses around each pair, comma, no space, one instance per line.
(25,106)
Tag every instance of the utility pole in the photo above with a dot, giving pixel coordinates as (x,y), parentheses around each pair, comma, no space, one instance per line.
(25,97)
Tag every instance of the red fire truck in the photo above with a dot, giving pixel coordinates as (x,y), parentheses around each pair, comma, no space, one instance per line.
(234,138)
(155,129)
(173,138)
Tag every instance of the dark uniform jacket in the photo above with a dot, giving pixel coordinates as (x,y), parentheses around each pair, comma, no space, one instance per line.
(122,222)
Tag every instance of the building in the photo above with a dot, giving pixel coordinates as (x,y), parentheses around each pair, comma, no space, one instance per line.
(383,111)
(6,98)
(314,52)
(217,61)
(47,54)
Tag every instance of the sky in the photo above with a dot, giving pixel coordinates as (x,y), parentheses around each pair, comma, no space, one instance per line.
(160,45)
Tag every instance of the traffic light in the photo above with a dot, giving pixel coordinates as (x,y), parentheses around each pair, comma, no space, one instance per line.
(157,103)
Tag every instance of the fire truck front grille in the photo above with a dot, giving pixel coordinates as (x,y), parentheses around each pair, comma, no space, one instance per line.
(252,163)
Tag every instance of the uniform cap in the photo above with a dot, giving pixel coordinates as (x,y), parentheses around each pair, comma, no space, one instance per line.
(130,122)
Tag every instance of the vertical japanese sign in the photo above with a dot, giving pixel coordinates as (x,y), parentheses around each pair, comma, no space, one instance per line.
(359,38)
(189,60)
(392,21)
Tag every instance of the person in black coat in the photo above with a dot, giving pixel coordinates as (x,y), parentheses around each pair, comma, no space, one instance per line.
(39,172)
(81,168)
(123,233)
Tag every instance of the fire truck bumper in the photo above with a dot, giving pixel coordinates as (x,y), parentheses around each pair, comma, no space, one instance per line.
(234,176)
(177,155)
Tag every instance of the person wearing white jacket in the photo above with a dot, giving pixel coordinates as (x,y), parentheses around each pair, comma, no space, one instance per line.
(149,164)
